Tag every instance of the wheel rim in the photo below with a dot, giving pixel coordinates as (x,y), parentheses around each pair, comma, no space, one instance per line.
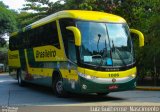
(59,87)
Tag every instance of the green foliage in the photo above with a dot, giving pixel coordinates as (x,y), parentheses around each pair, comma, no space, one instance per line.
(97,5)
(153,42)
(148,57)
(72,4)
(39,8)
(7,22)
(25,18)
(43,8)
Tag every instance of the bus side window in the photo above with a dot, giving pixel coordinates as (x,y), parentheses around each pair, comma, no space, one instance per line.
(31,37)
(43,35)
(22,40)
(68,39)
(39,36)
(50,35)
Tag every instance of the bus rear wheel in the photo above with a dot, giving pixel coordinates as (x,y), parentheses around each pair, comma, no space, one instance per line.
(58,87)
(19,77)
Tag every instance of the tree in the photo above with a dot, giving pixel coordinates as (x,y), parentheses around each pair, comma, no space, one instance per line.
(7,22)
(25,18)
(39,9)
(96,5)
(153,48)
(43,8)
(73,4)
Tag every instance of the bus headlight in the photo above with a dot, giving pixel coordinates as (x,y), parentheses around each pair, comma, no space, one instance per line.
(133,75)
(86,76)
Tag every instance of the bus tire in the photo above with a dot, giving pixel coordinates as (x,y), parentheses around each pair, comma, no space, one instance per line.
(102,94)
(58,87)
(19,77)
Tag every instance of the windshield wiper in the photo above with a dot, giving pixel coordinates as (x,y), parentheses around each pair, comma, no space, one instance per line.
(119,54)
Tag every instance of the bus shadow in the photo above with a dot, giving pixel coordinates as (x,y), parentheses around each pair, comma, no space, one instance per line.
(94,98)
(36,88)
(72,97)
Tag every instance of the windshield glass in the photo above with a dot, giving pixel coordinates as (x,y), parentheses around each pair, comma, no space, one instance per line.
(105,44)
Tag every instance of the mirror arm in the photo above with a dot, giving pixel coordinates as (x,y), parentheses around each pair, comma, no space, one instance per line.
(77,34)
(141,36)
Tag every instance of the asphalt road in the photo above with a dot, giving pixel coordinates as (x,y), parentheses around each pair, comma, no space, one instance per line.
(32,96)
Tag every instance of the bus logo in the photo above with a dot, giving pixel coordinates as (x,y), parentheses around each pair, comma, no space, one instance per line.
(113,80)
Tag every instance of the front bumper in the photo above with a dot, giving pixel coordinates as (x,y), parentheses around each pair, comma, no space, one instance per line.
(89,86)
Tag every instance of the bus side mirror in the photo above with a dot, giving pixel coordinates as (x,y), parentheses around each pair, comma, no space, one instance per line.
(140,35)
(77,34)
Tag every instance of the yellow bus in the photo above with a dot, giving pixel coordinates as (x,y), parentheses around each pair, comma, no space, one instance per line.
(75,51)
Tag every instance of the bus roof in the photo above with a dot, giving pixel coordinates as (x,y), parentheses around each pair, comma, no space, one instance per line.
(77,14)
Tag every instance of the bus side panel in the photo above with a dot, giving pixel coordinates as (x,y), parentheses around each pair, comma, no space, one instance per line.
(13,58)
(41,62)
(70,77)
(13,62)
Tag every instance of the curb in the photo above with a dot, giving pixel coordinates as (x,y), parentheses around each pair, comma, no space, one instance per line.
(148,88)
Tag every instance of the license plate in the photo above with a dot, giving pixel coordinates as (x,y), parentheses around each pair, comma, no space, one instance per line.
(113,87)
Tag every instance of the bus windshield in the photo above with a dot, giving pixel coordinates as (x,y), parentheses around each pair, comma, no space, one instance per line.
(105,44)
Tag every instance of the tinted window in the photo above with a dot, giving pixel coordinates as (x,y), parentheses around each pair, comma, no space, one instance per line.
(45,35)
(40,36)
(68,38)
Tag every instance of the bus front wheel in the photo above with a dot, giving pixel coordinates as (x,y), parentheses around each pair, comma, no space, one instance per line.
(58,87)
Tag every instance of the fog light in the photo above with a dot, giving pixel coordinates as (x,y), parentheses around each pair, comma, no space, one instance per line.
(84,86)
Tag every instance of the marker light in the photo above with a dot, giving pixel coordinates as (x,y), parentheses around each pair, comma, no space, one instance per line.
(86,76)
